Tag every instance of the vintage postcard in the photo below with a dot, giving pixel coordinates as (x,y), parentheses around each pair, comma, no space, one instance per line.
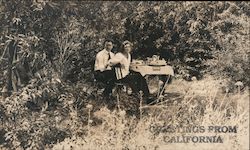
(124,75)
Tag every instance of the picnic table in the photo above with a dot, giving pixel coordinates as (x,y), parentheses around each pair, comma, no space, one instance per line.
(153,67)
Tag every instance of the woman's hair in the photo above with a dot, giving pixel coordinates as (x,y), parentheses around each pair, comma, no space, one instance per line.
(123,45)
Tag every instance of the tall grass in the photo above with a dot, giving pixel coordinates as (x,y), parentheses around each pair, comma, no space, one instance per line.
(202,103)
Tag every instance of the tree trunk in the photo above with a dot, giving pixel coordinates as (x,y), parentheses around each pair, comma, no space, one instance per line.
(11,56)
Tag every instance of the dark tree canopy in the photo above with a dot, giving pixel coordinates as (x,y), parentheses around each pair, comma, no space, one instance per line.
(193,36)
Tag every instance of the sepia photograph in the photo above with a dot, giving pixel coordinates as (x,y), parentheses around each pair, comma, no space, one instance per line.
(124,75)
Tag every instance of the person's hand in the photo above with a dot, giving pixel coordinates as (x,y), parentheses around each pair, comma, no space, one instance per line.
(102,69)
(122,66)
(109,64)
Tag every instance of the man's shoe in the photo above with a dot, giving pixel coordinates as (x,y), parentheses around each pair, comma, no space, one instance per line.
(111,97)
(106,97)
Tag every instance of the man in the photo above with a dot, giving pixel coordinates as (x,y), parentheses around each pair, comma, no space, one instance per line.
(102,72)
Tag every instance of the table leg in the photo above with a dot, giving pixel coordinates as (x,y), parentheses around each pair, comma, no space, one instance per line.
(159,86)
(163,88)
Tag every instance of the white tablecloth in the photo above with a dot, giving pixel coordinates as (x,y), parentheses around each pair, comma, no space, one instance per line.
(152,70)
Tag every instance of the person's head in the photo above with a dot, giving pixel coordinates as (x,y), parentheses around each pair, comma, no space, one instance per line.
(108,44)
(126,47)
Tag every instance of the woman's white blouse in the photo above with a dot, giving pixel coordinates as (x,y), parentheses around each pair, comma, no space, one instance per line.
(122,71)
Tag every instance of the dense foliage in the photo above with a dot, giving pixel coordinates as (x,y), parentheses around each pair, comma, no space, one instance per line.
(67,35)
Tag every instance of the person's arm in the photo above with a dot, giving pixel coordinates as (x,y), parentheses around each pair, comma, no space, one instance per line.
(99,63)
(115,60)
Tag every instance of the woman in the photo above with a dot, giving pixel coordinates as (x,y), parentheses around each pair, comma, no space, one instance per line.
(121,62)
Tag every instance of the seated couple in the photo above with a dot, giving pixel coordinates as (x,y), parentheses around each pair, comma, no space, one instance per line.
(108,72)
